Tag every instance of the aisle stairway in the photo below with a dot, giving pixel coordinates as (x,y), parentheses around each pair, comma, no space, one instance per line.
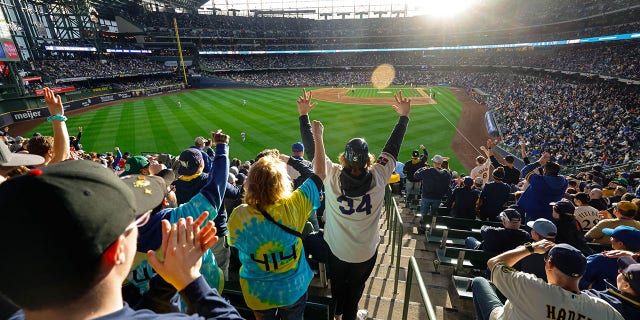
(379,298)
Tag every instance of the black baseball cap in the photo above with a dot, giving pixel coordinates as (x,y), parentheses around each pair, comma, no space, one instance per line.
(511,215)
(630,269)
(563,207)
(189,162)
(65,216)
(357,150)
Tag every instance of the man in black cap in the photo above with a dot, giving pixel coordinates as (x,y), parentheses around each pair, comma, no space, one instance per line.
(493,197)
(463,200)
(497,239)
(86,247)
(511,173)
(529,297)
(412,188)
(191,177)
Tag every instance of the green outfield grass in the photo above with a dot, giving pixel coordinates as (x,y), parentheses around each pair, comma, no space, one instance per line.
(381,93)
(270,120)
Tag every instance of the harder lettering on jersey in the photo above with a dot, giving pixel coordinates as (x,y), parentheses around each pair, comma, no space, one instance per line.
(557,313)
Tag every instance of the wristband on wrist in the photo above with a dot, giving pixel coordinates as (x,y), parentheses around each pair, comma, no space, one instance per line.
(529,247)
(57,117)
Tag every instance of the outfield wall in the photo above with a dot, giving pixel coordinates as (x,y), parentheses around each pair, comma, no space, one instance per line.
(42,112)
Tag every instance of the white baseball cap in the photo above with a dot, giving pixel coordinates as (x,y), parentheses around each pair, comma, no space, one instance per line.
(9,159)
(438,158)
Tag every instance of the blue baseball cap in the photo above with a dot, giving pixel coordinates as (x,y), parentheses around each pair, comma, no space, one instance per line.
(297,147)
(628,235)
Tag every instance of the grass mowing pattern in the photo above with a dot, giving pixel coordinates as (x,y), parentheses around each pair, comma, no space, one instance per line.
(270,120)
(359,92)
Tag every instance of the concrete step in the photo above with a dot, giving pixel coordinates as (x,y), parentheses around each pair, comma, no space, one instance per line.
(379,297)
(390,308)
(384,287)
(422,257)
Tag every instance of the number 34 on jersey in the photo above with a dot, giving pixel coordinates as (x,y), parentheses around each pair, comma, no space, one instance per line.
(349,206)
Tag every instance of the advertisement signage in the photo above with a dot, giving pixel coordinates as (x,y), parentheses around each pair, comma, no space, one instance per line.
(40,92)
(10,50)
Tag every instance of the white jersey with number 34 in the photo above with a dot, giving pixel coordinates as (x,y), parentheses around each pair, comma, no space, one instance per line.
(352,223)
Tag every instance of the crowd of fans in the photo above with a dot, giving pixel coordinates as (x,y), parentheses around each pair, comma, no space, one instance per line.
(99,67)
(618,59)
(577,122)
(567,217)
(580,121)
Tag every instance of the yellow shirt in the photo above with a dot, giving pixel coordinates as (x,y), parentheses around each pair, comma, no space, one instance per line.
(596,234)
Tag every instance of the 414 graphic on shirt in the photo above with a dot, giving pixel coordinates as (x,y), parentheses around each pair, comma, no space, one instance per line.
(277,259)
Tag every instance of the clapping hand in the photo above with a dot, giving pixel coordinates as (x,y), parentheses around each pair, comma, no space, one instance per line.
(183,244)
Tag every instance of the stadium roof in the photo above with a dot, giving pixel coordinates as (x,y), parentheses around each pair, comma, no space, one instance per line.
(351,8)
(112,7)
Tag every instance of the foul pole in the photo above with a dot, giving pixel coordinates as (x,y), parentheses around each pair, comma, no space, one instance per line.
(184,68)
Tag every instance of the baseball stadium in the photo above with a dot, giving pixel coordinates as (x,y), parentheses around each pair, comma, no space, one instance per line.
(493,147)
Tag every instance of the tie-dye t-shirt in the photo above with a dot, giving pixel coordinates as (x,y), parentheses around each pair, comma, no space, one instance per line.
(274,270)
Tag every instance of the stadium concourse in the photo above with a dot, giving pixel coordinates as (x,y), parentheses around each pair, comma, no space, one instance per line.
(548,143)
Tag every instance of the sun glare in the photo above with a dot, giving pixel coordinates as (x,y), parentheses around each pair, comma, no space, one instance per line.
(444,8)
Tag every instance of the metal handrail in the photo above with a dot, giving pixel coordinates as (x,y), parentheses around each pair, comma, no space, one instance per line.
(395,225)
(396,232)
(428,307)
